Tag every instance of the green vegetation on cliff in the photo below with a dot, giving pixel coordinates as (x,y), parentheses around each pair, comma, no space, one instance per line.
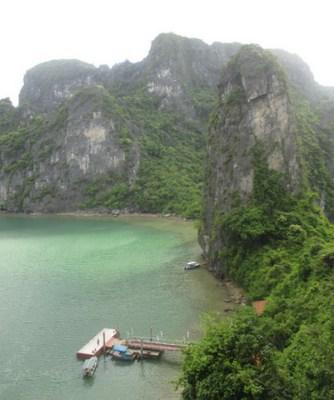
(7,115)
(316,151)
(129,137)
(171,170)
(164,150)
(279,247)
(265,225)
(171,150)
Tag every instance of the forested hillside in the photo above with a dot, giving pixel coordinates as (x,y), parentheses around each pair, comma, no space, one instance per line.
(268,189)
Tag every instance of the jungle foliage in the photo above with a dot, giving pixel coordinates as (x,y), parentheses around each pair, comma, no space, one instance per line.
(170,175)
(280,247)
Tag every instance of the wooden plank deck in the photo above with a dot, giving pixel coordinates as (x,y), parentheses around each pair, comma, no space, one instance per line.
(147,354)
(95,346)
(154,346)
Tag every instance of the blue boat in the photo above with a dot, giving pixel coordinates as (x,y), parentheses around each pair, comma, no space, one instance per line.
(89,367)
(122,353)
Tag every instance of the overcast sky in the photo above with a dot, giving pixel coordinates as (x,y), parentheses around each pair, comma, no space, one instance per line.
(109,31)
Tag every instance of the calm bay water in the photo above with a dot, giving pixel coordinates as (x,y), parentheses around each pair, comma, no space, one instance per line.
(63,279)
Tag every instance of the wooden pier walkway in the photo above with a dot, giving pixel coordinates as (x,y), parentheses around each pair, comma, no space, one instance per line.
(138,344)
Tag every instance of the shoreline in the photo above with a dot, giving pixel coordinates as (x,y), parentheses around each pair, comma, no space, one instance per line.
(95,213)
(79,213)
(234,293)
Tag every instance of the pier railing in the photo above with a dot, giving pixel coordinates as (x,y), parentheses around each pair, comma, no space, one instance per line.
(156,343)
(160,339)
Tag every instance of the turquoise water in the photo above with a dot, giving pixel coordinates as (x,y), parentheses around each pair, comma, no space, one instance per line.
(63,279)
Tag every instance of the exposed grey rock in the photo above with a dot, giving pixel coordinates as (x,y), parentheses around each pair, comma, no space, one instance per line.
(85,114)
(83,138)
(254,108)
(73,152)
(47,85)
(298,72)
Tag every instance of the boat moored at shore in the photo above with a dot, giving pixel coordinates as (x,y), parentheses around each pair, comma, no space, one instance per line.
(122,353)
(192,265)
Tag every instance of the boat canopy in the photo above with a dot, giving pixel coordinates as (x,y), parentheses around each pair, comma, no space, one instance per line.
(120,348)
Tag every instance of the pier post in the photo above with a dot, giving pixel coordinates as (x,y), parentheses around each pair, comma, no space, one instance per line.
(104,343)
(151,331)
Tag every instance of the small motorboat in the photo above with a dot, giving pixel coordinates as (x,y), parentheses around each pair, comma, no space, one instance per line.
(192,265)
(89,367)
(122,353)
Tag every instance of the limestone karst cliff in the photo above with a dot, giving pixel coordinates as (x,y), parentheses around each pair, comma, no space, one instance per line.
(269,111)
(134,136)
(268,193)
(131,136)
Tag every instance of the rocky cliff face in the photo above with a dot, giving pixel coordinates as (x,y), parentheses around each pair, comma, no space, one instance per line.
(49,84)
(112,138)
(174,67)
(263,103)
(134,136)
(64,155)
(254,108)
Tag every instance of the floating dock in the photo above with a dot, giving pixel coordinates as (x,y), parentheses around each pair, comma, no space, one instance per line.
(99,343)
(144,348)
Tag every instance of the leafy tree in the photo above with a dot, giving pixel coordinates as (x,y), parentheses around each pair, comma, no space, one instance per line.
(233,361)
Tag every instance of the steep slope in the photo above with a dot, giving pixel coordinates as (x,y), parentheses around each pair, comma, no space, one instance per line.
(254,108)
(263,116)
(152,117)
(128,137)
(262,226)
(47,85)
